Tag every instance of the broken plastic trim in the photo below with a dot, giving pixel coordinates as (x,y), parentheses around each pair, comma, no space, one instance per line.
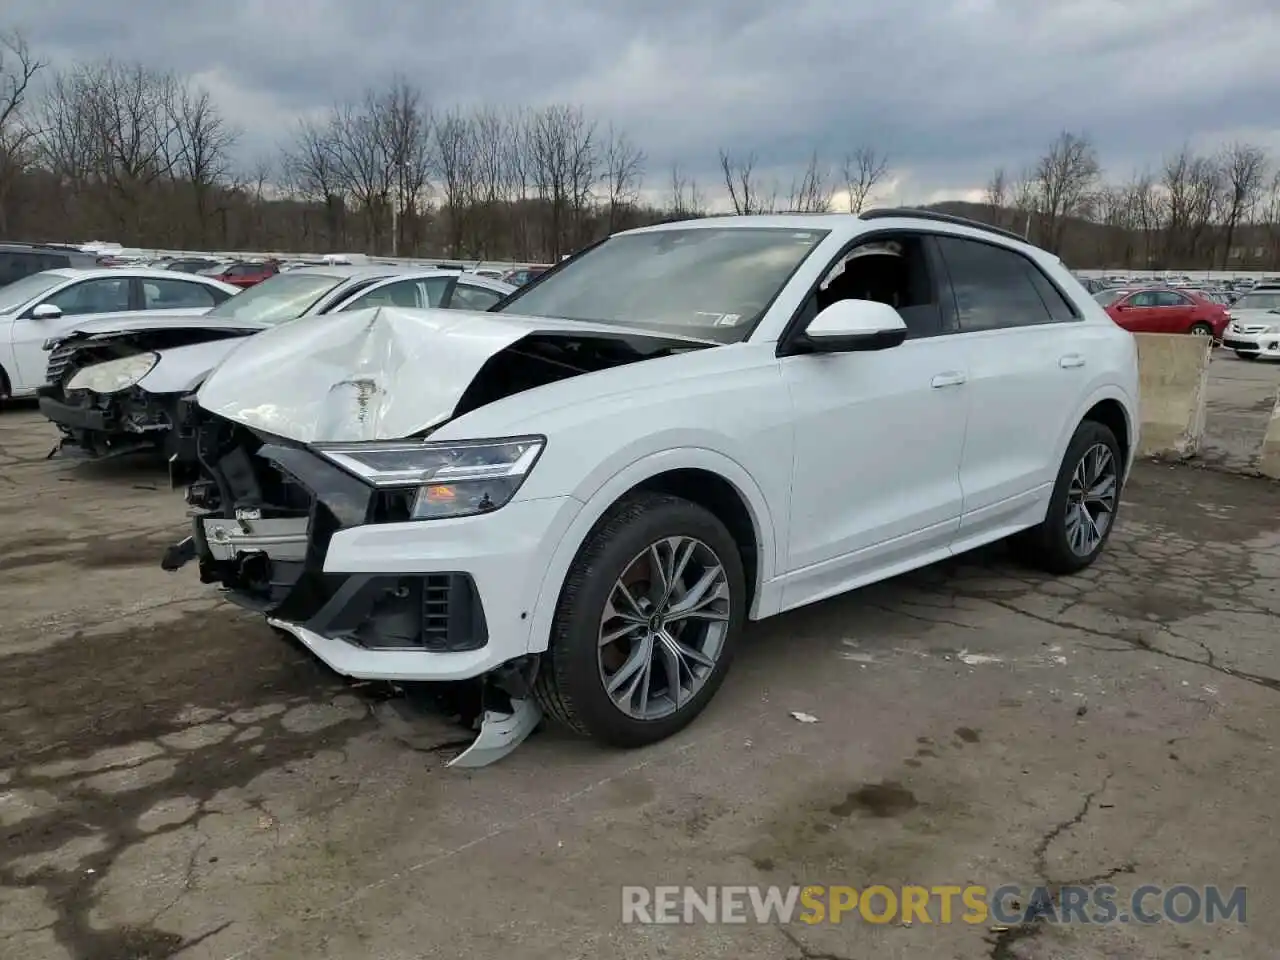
(500,733)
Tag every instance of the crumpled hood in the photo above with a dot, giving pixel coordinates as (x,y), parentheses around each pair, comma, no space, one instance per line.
(377,374)
(139,321)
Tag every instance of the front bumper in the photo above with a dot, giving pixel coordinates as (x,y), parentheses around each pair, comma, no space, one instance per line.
(99,426)
(1263,344)
(436,600)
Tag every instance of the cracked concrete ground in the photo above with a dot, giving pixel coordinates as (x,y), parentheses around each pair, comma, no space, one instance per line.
(177,780)
(1241,398)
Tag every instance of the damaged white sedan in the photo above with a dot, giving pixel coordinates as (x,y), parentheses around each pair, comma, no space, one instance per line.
(579,498)
(113,384)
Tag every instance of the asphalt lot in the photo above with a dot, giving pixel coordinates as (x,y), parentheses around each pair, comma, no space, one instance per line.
(174,778)
(1241,397)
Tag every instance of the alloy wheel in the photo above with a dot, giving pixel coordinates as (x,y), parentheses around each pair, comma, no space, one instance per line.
(663,627)
(1091,499)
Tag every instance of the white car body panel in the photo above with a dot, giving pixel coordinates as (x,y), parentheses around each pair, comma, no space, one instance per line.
(853,467)
(22,338)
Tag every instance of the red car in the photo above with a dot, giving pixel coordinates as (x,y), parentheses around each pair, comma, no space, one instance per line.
(1155,310)
(248,274)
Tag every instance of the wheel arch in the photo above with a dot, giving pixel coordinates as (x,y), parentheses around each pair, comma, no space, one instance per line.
(1113,408)
(706,477)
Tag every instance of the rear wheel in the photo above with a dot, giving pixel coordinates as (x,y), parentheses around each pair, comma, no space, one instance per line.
(1082,509)
(647,622)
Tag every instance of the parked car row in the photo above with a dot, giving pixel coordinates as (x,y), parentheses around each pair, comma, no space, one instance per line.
(43,307)
(574,493)
(112,385)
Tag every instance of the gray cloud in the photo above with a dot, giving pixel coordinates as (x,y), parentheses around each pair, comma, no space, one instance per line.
(950,88)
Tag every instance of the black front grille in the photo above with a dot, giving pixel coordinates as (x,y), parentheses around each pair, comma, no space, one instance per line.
(59,362)
(436,590)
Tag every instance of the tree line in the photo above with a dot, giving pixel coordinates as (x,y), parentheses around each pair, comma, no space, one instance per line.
(119,151)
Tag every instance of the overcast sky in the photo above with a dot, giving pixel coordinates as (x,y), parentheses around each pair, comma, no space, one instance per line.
(949,88)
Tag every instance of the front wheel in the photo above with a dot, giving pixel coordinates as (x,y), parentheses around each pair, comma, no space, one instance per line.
(1082,508)
(1246,355)
(1201,330)
(647,622)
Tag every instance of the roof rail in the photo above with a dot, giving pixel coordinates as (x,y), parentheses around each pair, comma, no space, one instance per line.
(883,213)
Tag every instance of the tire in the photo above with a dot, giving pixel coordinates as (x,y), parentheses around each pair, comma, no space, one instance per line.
(571,680)
(1201,329)
(1048,545)
(1245,355)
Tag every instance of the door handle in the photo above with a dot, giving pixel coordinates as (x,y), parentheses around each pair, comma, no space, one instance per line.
(1071,360)
(953,378)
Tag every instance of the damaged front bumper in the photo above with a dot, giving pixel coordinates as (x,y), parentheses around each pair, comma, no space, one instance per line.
(334,562)
(100,426)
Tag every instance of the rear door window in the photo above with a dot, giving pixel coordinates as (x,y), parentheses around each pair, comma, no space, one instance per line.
(175,294)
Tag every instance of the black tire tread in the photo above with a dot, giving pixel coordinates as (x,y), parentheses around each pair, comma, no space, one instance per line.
(548,685)
(1043,546)
(551,684)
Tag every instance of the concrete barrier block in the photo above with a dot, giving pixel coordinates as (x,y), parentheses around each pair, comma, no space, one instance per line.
(1269,455)
(1173,376)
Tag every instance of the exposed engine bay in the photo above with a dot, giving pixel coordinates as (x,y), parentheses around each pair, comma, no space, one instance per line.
(99,425)
(265,508)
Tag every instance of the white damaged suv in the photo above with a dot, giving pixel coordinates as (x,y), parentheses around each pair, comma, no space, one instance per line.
(581,496)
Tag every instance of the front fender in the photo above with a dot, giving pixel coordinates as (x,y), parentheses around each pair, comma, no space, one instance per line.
(600,495)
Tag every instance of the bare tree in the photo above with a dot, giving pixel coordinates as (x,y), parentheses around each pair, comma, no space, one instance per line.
(456,167)
(204,143)
(1272,217)
(686,201)
(624,174)
(812,192)
(362,154)
(997,196)
(747,193)
(1244,169)
(1193,185)
(1064,179)
(863,170)
(311,168)
(404,121)
(564,163)
(18,67)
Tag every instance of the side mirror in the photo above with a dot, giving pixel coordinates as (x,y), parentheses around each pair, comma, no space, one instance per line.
(853,325)
(46,311)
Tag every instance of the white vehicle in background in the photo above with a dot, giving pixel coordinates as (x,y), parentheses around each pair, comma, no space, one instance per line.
(580,497)
(50,305)
(1254,330)
(112,386)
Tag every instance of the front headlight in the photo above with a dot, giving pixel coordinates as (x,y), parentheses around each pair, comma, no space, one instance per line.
(114,375)
(451,479)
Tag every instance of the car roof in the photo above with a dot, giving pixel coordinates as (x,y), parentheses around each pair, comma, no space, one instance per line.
(352,271)
(849,225)
(85,273)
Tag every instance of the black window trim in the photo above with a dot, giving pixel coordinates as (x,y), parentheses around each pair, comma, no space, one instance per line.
(1076,315)
(937,270)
